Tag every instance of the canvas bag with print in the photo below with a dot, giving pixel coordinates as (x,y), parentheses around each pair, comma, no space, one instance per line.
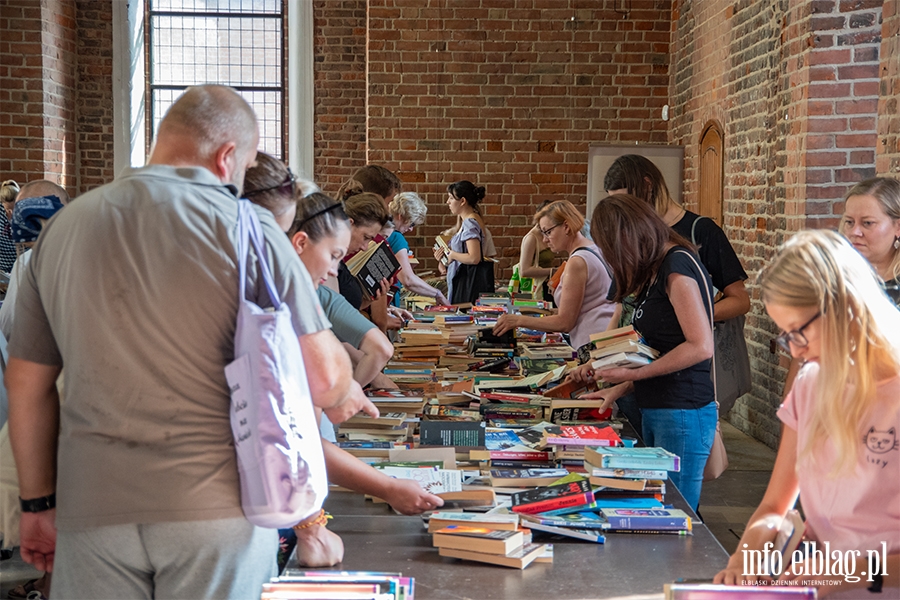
(276,437)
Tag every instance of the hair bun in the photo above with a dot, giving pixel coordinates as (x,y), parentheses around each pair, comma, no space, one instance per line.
(479,192)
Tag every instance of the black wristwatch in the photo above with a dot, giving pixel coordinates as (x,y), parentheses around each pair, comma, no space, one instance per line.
(877,582)
(36,505)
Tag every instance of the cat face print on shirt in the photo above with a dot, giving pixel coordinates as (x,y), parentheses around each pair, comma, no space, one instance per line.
(879,444)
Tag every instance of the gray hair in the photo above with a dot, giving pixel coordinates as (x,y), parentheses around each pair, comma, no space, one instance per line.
(409,206)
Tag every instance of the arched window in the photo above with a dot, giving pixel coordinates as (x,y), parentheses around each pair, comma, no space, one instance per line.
(711,172)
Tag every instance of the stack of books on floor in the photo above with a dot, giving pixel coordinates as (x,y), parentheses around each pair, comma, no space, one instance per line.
(622,347)
(339,585)
(505,547)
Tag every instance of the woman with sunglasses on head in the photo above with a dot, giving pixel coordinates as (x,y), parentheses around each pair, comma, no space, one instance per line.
(581,296)
(675,394)
(839,448)
(468,273)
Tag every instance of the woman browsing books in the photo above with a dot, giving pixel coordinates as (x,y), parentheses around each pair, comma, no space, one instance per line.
(581,295)
(407,211)
(468,273)
(674,307)
(839,448)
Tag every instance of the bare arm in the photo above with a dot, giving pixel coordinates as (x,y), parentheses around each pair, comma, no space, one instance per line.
(376,350)
(684,294)
(415,283)
(527,251)
(347,471)
(616,317)
(472,255)
(735,302)
(34,434)
(570,303)
(327,369)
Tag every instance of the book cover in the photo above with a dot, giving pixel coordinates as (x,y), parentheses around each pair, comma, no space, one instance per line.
(441,519)
(543,499)
(372,265)
(517,559)
(525,477)
(478,539)
(632,458)
(646,518)
(580,534)
(629,473)
(467,434)
(637,485)
(570,390)
(627,360)
(581,435)
(579,520)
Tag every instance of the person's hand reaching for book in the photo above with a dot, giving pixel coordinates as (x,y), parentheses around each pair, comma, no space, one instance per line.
(355,402)
(616,375)
(505,323)
(582,374)
(407,497)
(608,395)
(439,253)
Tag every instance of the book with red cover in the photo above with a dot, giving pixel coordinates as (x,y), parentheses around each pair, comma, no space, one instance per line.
(554,497)
(581,435)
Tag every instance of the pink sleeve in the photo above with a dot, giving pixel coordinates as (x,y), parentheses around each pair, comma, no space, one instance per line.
(788,411)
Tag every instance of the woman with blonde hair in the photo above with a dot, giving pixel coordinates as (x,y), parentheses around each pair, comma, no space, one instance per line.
(407,211)
(581,296)
(839,448)
(871,221)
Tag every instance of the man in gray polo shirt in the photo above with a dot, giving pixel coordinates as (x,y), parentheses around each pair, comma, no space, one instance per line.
(134,288)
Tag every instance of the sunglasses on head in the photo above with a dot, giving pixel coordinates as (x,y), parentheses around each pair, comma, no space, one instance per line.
(285,187)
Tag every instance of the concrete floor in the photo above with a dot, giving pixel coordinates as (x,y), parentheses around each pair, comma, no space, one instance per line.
(725,504)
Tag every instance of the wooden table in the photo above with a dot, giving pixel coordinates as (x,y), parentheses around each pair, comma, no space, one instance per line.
(377,539)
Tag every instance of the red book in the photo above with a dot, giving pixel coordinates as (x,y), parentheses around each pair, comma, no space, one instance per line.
(554,497)
(581,435)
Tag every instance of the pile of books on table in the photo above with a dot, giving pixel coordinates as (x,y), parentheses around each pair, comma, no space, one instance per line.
(338,585)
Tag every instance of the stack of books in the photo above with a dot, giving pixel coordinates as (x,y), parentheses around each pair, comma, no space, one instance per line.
(622,347)
(297,584)
(508,548)
(391,427)
(638,466)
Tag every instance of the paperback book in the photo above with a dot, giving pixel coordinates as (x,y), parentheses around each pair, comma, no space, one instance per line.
(373,265)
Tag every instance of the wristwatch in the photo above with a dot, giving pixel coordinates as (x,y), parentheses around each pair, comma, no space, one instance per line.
(36,505)
(877,582)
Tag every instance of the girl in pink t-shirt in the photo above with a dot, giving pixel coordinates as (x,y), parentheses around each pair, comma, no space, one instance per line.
(839,445)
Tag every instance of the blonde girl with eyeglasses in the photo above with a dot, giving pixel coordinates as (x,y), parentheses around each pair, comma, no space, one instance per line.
(839,448)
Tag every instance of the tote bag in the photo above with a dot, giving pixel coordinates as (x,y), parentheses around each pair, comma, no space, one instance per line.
(717,461)
(732,360)
(276,436)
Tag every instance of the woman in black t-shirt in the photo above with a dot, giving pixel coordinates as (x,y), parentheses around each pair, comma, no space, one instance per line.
(673,314)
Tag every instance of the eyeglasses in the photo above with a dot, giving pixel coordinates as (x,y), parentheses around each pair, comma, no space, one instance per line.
(546,232)
(796,336)
(285,187)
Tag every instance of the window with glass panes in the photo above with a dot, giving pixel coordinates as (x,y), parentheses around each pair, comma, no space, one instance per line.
(239,43)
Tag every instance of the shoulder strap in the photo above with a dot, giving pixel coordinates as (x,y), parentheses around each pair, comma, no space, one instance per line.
(600,258)
(694,228)
(250,232)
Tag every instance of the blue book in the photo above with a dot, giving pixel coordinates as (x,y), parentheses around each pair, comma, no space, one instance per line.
(632,458)
(646,518)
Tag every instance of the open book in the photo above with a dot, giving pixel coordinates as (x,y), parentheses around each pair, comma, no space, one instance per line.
(373,264)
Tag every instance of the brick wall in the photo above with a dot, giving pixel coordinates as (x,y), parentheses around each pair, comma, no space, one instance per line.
(795,86)
(94,108)
(56,88)
(509,94)
(888,146)
(339,47)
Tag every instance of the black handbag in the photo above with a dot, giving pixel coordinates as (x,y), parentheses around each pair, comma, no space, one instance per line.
(472,280)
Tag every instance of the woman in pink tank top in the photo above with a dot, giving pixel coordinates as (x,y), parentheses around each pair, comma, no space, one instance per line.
(580,297)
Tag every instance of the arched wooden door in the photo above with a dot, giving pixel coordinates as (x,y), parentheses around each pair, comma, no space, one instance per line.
(711,172)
